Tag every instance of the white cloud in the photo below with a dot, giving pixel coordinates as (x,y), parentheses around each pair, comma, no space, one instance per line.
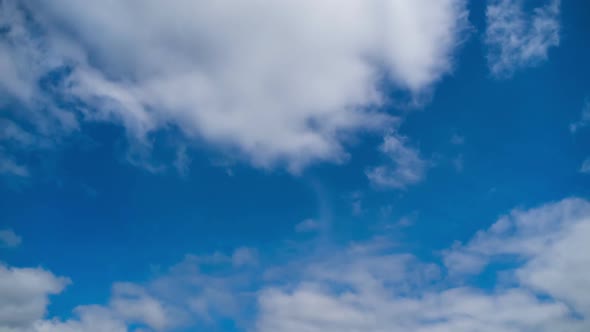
(182,296)
(87,319)
(404,167)
(24,295)
(585,168)
(132,303)
(366,286)
(373,290)
(9,239)
(283,82)
(516,39)
(521,233)
(552,241)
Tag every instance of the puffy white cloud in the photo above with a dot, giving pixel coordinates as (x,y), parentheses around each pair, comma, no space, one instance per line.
(516,39)
(87,319)
(24,295)
(133,304)
(282,82)
(522,233)
(552,241)
(404,167)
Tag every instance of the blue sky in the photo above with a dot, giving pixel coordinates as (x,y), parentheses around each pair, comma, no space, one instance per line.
(298,166)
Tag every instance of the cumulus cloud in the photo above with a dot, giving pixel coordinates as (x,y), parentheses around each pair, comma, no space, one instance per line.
(24,295)
(404,166)
(516,39)
(283,82)
(524,233)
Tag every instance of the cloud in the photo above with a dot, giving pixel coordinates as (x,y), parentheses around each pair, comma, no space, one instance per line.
(9,239)
(11,167)
(182,296)
(244,256)
(24,295)
(538,257)
(458,163)
(584,118)
(522,234)
(404,167)
(585,168)
(516,39)
(308,225)
(457,139)
(376,290)
(281,83)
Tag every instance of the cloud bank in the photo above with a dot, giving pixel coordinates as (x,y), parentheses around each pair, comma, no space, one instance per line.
(538,257)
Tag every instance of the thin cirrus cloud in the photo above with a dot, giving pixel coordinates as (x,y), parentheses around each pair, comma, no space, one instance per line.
(365,286)
(280,83)
(517,39)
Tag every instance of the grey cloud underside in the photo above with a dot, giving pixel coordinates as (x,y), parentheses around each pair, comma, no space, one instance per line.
(368,286)
(282,82)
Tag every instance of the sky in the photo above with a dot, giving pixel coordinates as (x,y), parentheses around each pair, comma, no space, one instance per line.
(294,166)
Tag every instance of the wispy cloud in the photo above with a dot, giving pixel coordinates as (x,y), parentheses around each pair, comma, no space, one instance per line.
(457,139)
(308,225)
(516,39)
(11,167)
(584,118)
(9,239)
(404,165)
